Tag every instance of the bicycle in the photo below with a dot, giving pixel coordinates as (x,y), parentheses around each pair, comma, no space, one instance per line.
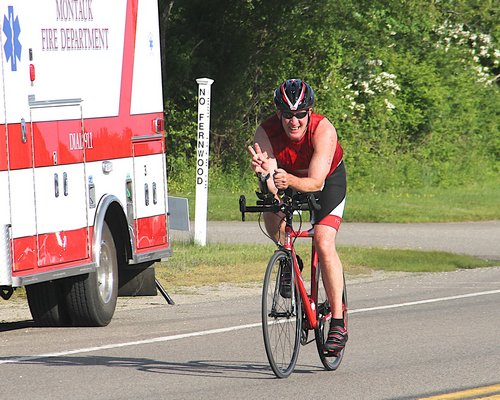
(287,320)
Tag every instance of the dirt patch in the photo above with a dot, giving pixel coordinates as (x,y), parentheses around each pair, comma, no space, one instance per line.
(16,309)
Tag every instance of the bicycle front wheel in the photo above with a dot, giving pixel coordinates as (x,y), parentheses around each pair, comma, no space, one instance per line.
(281,315)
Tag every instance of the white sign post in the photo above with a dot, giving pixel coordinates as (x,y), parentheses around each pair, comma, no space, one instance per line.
(202,152)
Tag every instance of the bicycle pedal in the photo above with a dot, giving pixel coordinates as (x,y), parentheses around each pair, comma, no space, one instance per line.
(327,353)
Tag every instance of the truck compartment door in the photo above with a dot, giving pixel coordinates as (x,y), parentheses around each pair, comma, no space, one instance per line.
(59,143)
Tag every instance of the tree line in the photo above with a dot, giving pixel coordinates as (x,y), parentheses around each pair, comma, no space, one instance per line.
(411,86)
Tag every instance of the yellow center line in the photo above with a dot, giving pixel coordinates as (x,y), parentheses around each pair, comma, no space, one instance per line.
(469,393)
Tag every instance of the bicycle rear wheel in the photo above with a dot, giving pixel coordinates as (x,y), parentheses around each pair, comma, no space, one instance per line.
(281,316)
(330,362)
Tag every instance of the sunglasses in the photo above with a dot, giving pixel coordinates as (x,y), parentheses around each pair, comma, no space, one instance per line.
(290,115)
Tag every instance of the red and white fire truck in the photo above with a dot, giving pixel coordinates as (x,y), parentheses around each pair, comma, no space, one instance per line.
(83,188)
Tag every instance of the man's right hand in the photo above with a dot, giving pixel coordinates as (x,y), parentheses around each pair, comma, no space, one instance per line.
(260,160)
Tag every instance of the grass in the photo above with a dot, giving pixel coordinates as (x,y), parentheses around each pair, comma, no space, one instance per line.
(194,266)
(474,202)
(470,203)
(216,264)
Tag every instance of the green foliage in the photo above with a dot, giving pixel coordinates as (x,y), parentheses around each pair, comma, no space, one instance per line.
(216,264)
(410,260)
(412,87)
(473,202)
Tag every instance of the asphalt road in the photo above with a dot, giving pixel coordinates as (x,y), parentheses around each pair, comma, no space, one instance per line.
(411,336)
(481,239)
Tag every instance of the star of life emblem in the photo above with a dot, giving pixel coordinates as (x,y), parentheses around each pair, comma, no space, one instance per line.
(12,47)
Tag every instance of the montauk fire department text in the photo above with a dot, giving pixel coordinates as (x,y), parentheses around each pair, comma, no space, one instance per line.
(80,141)
(74,10)
(74,38)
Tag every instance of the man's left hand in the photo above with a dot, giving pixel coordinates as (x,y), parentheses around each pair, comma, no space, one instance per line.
(280,178)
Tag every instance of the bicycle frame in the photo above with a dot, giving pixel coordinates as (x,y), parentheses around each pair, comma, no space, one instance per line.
(309,302)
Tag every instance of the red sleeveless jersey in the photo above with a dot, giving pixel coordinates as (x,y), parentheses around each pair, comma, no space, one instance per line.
(296,156)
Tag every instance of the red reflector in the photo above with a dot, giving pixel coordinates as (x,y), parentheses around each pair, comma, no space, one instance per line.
(158,125)
(32,72)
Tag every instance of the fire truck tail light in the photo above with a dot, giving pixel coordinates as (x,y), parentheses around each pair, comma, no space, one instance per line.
(158,125)
(32,73)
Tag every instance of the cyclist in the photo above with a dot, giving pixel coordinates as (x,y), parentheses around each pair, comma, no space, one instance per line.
(299,150)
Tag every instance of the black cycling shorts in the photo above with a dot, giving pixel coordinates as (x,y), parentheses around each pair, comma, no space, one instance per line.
(332,199)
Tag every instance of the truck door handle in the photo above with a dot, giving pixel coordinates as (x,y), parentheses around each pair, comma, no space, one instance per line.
(23,130)
(56,185)
(65,183)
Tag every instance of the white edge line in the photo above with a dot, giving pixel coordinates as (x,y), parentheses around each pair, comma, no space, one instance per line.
(228,329)
(414,303)
(137,342)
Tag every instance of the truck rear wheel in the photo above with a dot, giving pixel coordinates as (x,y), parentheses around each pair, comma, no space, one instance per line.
(92,297)
(47,303)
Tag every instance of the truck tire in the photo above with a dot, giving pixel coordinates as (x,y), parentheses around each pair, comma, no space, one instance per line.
(47,303)
(92,297)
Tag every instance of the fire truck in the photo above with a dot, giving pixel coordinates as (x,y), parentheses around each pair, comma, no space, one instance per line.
(83,186)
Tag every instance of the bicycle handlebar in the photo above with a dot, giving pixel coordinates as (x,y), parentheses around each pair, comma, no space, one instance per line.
(288,205)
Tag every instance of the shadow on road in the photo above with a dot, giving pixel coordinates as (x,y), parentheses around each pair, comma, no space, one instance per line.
(205,368)
(12,326)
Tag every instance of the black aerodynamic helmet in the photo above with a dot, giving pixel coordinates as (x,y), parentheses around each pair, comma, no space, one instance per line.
(293,95)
